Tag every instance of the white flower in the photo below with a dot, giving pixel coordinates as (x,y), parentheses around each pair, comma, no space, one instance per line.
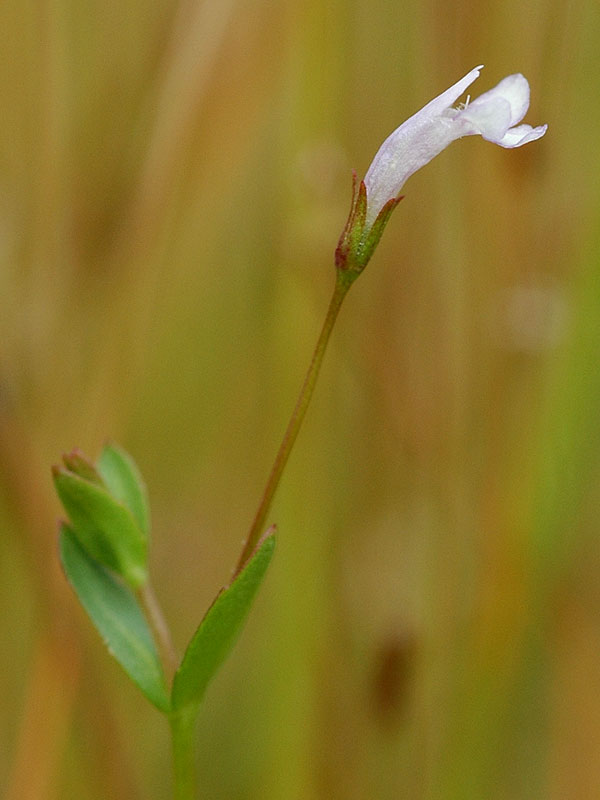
(430,130)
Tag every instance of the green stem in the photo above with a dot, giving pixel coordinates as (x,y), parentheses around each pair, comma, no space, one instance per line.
(182,741)
(182,723)
(258,525)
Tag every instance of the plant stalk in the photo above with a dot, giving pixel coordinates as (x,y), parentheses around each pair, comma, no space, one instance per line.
(258,525)
(182,723)
(182,742)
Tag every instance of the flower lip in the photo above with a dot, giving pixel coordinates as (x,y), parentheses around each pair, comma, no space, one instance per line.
(450,96)
(514,89)
(494,113)
(521,134)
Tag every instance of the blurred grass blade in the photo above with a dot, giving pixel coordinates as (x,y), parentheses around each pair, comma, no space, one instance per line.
(124,480)
(569,444)
(115,612)
(218,630)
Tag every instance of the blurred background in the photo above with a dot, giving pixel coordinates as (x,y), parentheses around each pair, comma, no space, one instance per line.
(173,180)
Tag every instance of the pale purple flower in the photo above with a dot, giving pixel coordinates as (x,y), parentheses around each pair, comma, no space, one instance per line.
(493,115)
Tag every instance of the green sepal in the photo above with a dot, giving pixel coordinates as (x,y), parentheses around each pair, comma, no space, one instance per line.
(125,483)
(353,228)
(219,629)
(115,613)
(376,230)
(105,527)
(358,242)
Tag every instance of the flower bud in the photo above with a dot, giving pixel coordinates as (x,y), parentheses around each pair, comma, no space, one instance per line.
(108,510)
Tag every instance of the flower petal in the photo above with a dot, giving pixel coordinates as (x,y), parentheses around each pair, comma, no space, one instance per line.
(491,119)
(447,98)
(515,137)
(514,89)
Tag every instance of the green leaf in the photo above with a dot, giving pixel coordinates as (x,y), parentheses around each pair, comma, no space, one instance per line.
(116,614)
(104,526)
(218,630)
(124,481)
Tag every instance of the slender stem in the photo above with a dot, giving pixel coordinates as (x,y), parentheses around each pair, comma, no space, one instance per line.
(258,525)
(159,626)
(182,723)
(184,768)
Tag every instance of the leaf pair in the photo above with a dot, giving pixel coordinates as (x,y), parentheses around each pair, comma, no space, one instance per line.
(111,602)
